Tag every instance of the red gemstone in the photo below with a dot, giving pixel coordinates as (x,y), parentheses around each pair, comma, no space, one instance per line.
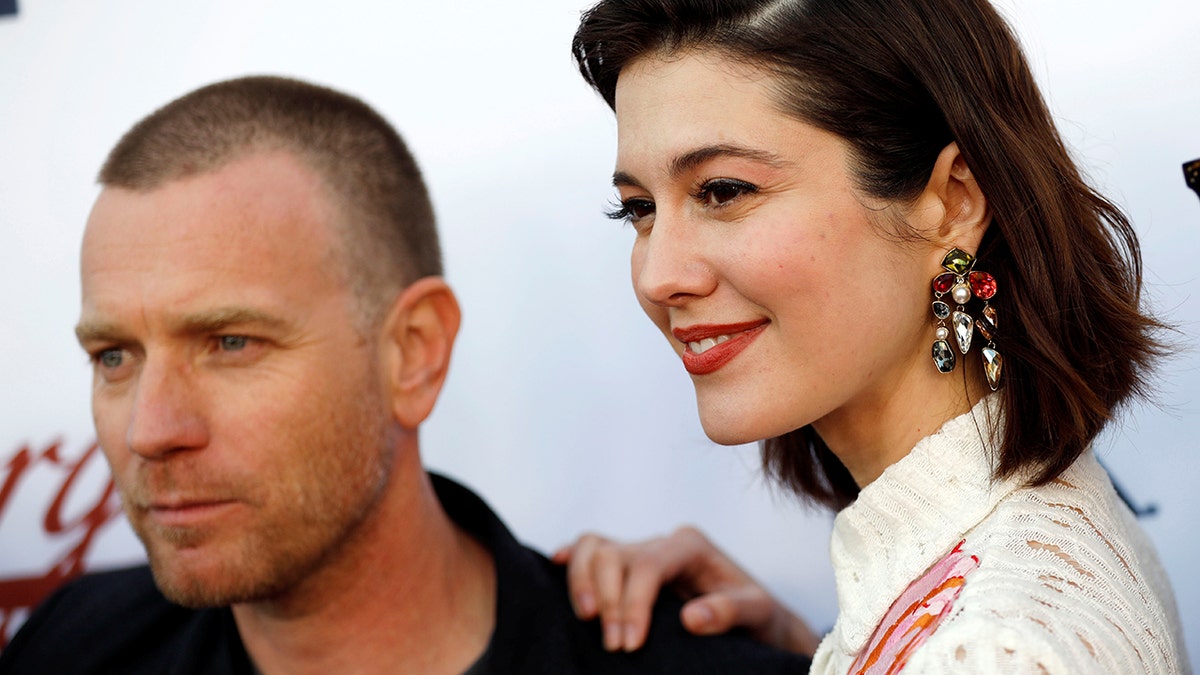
(943,282)
(983,285)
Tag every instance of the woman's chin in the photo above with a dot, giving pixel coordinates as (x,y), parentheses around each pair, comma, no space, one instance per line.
(724,431)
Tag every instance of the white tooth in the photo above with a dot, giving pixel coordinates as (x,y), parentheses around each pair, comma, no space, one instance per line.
(722,338)
(707,344)
(695,347)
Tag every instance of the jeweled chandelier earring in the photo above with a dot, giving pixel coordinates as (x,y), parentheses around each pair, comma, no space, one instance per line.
(962,282)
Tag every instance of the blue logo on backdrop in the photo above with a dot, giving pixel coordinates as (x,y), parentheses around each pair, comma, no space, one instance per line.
(8,7)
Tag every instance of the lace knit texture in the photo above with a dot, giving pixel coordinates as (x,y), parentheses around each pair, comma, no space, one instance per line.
(1066,580)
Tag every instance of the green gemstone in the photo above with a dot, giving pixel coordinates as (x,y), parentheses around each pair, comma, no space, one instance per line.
(958,261)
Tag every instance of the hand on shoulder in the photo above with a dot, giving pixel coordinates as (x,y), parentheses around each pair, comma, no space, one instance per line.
(619,582)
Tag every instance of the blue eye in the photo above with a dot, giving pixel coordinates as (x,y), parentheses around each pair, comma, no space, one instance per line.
(232,343)
(110,358)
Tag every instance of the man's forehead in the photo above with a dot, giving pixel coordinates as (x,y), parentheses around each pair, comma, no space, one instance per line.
(255,229)
(264,198)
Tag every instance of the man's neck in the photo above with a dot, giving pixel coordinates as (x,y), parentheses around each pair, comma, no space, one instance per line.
(410,593)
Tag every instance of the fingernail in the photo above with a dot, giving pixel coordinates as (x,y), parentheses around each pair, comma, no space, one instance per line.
(587,604)
(612,636)
(700,616)
(630,637)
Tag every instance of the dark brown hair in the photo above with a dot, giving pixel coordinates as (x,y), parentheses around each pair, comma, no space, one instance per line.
(899,80)
(387,223)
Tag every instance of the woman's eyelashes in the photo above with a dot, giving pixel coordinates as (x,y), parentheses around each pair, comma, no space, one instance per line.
(719,192)
(716,193)
(631,210)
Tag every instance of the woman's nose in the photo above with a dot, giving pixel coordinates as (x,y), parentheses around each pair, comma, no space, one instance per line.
(669,264)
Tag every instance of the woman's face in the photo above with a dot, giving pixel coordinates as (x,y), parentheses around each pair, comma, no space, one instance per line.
(782,288)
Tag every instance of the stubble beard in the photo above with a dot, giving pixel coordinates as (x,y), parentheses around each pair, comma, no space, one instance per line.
(305,519)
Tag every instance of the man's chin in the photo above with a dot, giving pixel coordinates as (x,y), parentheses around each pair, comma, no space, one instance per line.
(198,584)
(198,594)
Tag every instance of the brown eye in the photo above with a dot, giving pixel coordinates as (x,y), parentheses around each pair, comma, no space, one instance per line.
(640,208)
(724,190)
(632,210)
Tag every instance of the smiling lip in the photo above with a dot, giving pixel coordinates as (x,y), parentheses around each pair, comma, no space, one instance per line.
(729,339)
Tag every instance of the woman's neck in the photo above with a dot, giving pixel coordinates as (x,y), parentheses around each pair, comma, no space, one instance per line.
(878,429)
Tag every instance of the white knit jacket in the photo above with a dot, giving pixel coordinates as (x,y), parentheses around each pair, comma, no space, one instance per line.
(1066,580)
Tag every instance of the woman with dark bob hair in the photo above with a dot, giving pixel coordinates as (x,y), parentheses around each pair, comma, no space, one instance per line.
(860,231)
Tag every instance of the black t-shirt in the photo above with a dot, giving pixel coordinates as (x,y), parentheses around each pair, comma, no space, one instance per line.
(118,622)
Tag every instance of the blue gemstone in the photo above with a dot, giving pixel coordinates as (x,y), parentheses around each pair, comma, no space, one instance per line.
(943,356)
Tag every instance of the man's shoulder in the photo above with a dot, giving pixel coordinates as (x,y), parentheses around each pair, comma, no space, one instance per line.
(114,621)
(537,630)
(111,594)
(669,643)
(558,634)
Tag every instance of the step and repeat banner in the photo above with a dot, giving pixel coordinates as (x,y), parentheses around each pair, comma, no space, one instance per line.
(63,497)
(564,407)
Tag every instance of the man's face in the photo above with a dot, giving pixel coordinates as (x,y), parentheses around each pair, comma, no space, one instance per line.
(242,413)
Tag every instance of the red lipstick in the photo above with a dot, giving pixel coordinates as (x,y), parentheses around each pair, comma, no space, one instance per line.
(739,336)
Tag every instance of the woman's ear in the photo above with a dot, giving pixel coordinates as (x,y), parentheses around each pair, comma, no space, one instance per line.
(418,337)
(952,210)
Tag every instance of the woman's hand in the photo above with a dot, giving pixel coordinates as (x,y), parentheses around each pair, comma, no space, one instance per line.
(620,582)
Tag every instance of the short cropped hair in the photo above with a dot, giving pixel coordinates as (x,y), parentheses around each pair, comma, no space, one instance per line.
(388,226)
(898,81)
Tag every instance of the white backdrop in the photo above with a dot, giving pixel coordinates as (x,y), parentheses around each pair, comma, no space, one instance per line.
(563,407)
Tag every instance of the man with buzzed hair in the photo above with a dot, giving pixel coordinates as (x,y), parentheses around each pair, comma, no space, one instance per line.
(268,327)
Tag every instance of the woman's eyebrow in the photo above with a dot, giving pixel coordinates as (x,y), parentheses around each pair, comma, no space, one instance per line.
(694,158)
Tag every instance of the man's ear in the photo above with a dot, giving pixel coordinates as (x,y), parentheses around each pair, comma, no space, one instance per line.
(952,211)
(418,337)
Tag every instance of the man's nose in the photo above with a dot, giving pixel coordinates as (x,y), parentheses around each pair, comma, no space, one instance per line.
(671,267)
(165,417)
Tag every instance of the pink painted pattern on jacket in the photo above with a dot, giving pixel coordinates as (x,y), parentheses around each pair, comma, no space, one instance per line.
(914,615)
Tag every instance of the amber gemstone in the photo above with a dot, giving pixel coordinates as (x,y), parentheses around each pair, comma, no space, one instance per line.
(940,309)
(943,356)
(983,285)
(943,282)
(958,261)
(993,363)
(986,323)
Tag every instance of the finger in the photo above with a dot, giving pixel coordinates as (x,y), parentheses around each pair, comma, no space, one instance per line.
(579,576)
(698,617)
(722,611)
(608,575)
(563,555)
(645,577)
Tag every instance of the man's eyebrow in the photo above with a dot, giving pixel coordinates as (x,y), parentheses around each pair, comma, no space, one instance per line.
(694,158)
(224,317)
(199,322)
(99,331)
